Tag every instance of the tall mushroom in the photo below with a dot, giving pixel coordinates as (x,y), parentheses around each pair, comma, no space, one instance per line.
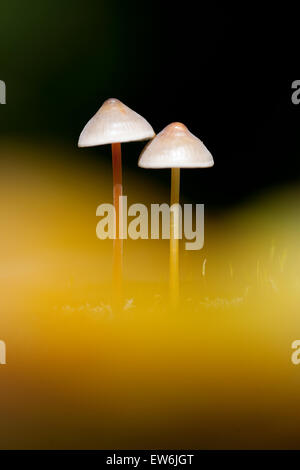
(113,124)
(175,147)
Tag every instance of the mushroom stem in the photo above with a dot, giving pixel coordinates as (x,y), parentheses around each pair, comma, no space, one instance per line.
(174,241)
(118,242)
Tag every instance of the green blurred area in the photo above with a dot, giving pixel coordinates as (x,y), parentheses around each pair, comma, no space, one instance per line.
(50,52)
(61,59)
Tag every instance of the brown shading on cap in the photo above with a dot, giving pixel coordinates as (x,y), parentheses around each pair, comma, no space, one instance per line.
(114,122)
(175,147)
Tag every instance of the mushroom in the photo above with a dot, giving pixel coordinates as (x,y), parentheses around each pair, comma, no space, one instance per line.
(175,147)
(112,124)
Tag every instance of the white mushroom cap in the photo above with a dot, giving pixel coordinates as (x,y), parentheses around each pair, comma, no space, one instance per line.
(175,147)
(115,122)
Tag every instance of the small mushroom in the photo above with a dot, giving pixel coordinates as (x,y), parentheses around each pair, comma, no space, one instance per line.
(175,147)
(112,124)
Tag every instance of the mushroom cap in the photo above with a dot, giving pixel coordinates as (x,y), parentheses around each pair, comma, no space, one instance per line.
(114,122)
(175,147)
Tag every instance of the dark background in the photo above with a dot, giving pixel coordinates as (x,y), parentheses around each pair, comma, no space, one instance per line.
(218,69)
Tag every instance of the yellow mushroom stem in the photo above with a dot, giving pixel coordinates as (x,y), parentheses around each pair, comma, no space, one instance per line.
(118,242)
(174,241)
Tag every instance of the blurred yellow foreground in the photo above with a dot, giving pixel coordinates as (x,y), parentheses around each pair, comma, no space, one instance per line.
(216,375)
